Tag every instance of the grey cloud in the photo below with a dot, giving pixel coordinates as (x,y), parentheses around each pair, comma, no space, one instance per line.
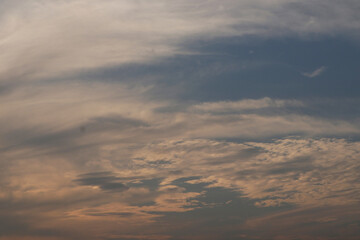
(104,180)
(9,224)
(20,220)
(64,140)
(328,222)
(104,214)
(298,166)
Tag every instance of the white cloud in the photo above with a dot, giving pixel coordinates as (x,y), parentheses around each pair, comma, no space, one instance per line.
(116,111)
(247,104)
(42,38)
(315,73)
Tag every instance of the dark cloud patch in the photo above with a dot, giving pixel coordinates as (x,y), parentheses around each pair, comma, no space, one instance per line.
(104,180)
(248,173)
(64,141)
(10,224)
(183,182)
(296,166)
(335,222)
(142,204)
(21,225)
(6,89)
(293,167)
(160,162)
(106,214)
(152,184)
(219,215)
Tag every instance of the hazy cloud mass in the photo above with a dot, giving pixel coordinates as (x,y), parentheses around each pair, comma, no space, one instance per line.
(179,120)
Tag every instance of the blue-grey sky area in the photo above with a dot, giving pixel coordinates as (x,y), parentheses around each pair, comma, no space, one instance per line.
(179,120)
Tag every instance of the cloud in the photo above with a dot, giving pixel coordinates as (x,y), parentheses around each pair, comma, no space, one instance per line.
(246,104)
(95,159)
(302,221)
(287,171)
(49,39)
(257,118)
(112,182)
(315,73)
(293,171)
(108,111)
(103,180)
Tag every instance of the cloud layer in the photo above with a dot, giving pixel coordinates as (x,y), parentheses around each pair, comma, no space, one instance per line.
(88,157)
(134,186)
(41,39)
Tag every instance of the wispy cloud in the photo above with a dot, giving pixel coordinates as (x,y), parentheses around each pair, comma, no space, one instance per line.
(110,155)
(315,73)
(246,104)
(64,36)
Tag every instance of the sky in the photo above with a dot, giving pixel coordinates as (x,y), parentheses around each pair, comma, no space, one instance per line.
(179,120)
